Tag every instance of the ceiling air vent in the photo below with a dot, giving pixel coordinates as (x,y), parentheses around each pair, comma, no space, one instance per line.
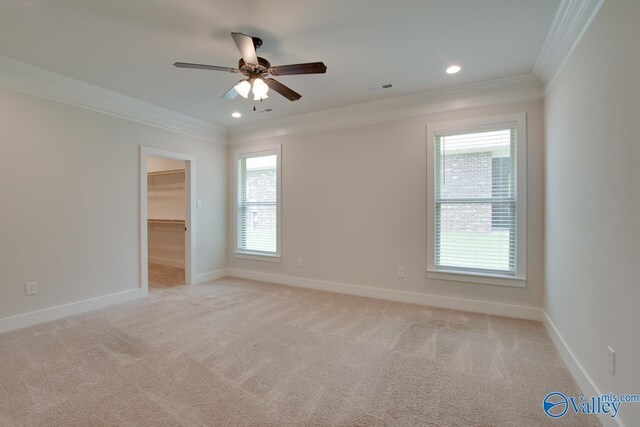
(381,86)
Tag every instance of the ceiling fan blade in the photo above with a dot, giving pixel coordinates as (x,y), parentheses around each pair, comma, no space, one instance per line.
(283,90)
(246,47)
(231,93)
(308,68)
(206,67)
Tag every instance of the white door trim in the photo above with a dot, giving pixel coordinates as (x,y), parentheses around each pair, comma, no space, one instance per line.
(190,222)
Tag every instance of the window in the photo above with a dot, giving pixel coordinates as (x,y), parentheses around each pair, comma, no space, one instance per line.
(477,196)
(258,203)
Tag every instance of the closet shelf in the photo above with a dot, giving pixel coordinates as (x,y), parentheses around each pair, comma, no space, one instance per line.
(165,221)
(167,172)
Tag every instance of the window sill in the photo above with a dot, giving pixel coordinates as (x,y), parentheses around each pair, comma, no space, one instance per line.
(257,256)
(484,279)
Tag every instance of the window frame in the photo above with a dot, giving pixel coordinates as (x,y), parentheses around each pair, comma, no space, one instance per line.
(257,152)
(519,121)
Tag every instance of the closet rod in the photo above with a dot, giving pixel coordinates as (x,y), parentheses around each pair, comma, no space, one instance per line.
(166,221)
(167,172)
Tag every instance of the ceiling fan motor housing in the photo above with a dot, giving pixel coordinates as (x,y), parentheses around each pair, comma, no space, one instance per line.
(261,68)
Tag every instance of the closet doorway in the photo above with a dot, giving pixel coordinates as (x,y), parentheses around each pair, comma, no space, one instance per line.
(166,208)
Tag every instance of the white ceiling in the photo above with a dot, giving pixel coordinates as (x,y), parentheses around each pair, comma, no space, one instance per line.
(130,46)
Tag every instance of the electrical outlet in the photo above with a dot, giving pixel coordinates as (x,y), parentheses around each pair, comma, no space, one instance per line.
(31,288)
(401,272)
(299,262)
(611,360)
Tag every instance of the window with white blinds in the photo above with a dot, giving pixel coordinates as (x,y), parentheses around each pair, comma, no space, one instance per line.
(475,201)
(257,207)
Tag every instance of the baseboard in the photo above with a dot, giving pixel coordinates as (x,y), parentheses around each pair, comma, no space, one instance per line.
(167,261)
(582,377)
(486,307)
(53,313)
(212,275)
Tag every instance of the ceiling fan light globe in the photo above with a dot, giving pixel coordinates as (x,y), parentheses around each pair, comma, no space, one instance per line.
(243,87)
(260,89)
(260,98)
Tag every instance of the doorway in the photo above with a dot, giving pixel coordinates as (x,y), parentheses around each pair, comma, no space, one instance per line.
(166,218)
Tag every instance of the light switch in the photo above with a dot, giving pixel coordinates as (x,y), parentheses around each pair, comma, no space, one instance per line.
(31,288)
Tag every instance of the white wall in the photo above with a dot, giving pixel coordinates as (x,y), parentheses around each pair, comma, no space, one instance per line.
(354,207)
(593,201)
(70,201)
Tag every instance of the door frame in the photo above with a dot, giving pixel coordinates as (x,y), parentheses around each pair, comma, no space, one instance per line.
(190,221)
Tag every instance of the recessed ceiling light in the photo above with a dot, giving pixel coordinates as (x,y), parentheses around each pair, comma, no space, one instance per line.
(453,69)
(236,114)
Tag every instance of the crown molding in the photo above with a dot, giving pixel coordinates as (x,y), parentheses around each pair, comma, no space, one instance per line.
(569,25)
(504,90)
(17,75)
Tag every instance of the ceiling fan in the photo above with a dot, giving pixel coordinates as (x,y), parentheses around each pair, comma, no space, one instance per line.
(257,71)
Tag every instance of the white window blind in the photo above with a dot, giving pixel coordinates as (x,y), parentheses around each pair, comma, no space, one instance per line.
(475,202)
(257,203)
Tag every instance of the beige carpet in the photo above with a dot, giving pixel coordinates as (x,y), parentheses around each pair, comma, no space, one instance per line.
(233,352)
(162,276)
